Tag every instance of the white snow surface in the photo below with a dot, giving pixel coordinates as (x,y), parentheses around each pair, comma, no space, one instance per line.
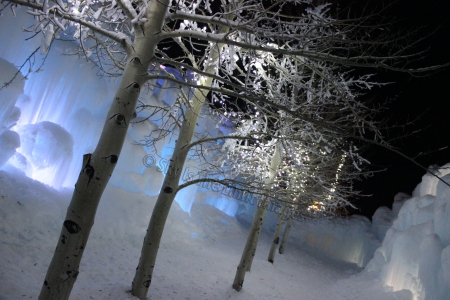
(197,258)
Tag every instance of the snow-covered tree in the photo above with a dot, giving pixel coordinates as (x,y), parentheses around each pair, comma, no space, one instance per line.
(306,179)
(232,47)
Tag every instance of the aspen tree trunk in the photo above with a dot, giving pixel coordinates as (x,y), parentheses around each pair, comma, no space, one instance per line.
(144,271)
(255,230)
(259,217)
(286,232)
(98,166)
(276,238)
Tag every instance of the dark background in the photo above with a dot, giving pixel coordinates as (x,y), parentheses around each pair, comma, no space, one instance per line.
(426,99)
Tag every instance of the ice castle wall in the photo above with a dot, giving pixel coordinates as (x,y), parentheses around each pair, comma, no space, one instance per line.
(62,107)
(415,254)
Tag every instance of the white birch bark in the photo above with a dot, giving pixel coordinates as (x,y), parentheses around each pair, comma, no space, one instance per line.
(276,238)
(286,232)
(255,230)
(259,217)
(98,166)
(144,271)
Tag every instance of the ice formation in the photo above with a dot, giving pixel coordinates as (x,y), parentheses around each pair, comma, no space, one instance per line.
(414,255)
(48,148)
(62,107)
(10,113)
(384,216)
(9,142)
(75,100)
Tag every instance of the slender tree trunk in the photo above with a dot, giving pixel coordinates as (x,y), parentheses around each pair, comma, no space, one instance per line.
(251,244)
(276,238)
(255,230)
(98,166)
(286,232)
(144,271)
(260,216)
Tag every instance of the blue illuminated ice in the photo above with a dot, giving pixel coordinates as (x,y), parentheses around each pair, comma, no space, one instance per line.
(49,149)
(75,99)
(9,142)
(9,112)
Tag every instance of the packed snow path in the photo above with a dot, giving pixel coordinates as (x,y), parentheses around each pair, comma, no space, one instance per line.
(198,257)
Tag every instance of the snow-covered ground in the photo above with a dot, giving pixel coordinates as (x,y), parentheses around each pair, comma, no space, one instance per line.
(197,258)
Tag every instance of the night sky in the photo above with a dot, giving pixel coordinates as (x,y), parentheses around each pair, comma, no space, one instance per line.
(425,99)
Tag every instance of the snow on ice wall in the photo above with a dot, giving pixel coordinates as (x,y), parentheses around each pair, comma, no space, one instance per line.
(415,254)
(349,240)
(62,109)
